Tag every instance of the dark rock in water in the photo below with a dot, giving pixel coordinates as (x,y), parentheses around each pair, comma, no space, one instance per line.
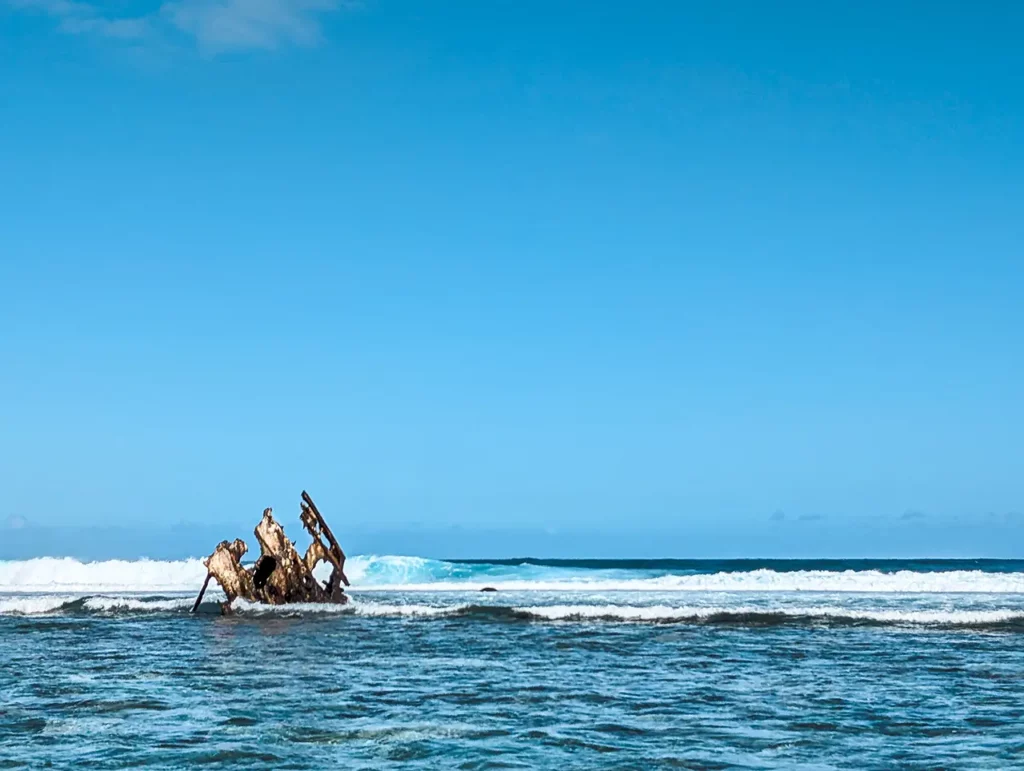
(488,589)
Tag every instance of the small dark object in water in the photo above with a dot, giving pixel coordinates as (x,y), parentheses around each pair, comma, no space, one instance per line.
(488,589)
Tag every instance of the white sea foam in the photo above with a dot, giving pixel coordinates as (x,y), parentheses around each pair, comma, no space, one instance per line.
(52,603)
(32,606)
(378,573)
(866,581)
(380,609)
(63,574)
(292,609)
(667,613)
(654,613)
(789,610)
(354,608)
(66,574)
(136,604)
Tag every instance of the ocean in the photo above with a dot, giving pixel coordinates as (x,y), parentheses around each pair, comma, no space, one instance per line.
(567,665)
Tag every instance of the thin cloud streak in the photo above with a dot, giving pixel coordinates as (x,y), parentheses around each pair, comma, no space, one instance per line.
(77,18)
(213,26)
(240,24)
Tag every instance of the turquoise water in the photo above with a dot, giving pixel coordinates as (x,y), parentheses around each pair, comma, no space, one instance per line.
(568,665)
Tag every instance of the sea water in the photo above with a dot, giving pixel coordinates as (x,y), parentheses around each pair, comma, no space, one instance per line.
(569,664)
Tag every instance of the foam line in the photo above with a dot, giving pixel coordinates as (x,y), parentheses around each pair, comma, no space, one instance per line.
(374,573)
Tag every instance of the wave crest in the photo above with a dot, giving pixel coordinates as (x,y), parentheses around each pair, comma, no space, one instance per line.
(370,573)
(64,574)
(1005,619)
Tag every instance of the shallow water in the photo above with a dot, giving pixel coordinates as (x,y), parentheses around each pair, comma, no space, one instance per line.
(582,678)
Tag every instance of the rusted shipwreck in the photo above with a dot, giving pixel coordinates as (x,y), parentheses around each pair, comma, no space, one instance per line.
(279,576)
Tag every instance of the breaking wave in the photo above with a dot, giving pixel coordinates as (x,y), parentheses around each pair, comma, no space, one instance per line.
(870,582)
(375,573)
(64,574)
(1005,619)
(658,613)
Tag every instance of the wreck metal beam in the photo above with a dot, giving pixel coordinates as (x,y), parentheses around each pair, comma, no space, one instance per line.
(199,599)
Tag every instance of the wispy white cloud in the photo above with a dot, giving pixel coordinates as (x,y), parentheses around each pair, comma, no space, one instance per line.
(79,18)
(219,25)
(213,25)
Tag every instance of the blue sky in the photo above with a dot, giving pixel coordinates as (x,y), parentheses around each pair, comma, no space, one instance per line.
(466,269)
